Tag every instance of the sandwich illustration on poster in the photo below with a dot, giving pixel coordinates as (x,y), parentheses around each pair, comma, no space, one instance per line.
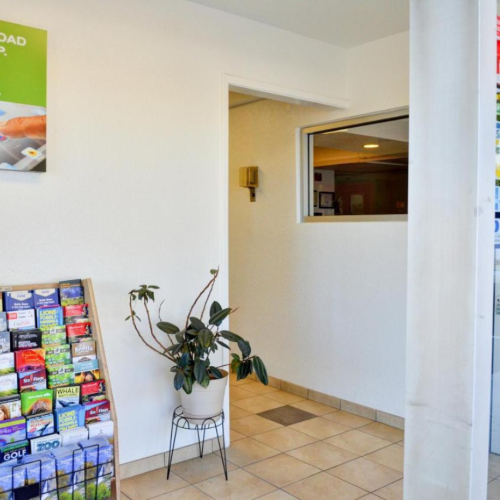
(23,96)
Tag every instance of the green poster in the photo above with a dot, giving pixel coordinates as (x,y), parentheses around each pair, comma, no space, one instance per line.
(23,98)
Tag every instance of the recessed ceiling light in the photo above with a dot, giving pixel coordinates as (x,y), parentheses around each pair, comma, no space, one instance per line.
(370,146)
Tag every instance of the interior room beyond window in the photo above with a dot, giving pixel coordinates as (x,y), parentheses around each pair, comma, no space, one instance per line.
(360,170)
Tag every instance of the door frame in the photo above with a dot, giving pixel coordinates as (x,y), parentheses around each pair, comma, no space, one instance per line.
(258,89)
(264,90)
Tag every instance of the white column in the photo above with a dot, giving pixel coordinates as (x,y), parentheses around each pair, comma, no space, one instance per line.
(450,261)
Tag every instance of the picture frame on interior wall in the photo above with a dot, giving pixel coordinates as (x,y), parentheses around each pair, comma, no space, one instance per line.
(315,199)
(326,199)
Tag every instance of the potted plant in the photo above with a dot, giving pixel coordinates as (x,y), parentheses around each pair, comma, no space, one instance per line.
(203,385)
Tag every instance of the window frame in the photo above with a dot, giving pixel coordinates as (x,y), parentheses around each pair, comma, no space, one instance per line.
(305,176)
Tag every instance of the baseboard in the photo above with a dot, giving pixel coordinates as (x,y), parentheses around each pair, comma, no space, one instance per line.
(340,404)
(160,461)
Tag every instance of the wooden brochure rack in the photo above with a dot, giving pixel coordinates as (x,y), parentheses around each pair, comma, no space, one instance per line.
(101,356)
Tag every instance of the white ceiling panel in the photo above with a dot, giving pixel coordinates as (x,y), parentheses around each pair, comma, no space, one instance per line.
(345,23)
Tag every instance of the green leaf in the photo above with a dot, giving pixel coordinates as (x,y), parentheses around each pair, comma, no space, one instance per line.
(235,363)
(179,380)
(176,349)
(235,356)
(196,323)
(179,337)
(232,337)
(215,308)
(223,344)
(200,371)
(183,362)
(216,372)
(167,327)
(260,370)
(213,271)
(205,338)
(127,318)
(204,383)
(154,287)
(244,348)
(219,317)
(188,385)
(244,369)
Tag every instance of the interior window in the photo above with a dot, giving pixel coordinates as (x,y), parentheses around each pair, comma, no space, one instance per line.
(359,170)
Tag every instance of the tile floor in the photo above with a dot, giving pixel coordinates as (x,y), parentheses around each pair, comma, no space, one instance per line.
(284,447)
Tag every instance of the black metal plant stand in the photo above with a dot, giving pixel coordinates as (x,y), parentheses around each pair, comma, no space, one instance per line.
(179,421)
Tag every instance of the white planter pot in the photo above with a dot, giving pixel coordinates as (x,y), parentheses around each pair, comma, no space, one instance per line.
(204,403)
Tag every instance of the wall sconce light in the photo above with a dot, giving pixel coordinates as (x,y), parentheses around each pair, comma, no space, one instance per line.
(249,178)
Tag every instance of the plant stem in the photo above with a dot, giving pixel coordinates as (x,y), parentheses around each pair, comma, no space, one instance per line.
(209,293)
(132,316)
(151,326)
(159,315)
(199,296)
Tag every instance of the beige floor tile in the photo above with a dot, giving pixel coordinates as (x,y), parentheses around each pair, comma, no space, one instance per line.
(370,497)
(257,404)
(258,388)
(199,469)
(284,397)
(392,492)
(236,412)
(253,424)
(324,487)
(277,495)
(189,493)
(317,409)
(247,451)
(238,393)
(357,442)
(366,474)
(151,484)
(494,490)
(282,470)
(348,419)
(494,466)
(392,457)
(383,431)
(235,436)
(240,486)
(285,439)
(322,455)
(320,427)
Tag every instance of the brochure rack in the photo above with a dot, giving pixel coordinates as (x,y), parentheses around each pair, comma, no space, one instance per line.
(103,366)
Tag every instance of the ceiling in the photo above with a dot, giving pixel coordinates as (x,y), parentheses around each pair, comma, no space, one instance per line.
(345,23)
(236,99)
(344,150)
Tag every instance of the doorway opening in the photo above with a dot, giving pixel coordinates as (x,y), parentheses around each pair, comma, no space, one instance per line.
(280,277)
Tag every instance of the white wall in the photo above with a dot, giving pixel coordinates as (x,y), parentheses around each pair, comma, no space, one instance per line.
(323,304)
(132,194)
